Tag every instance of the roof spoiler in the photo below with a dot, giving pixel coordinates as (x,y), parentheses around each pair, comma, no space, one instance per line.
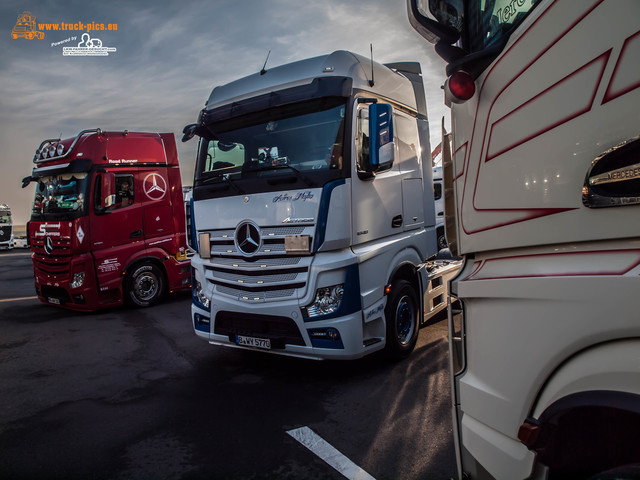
(413,72)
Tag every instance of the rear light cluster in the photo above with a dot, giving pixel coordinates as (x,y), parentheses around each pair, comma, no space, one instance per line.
(49,151)
(459,88)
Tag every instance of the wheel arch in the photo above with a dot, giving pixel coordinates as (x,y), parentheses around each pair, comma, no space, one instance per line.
(141,260)
(587,414)
(588,432)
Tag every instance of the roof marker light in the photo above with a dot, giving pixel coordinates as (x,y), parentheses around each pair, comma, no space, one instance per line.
(60,149)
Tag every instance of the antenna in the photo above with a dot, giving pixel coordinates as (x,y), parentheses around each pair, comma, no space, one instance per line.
(371,82)
(263,71)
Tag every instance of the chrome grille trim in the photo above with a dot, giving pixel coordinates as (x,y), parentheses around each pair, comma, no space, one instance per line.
(255,296)
(269,274)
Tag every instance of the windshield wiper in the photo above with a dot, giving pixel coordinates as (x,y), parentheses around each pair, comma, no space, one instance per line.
(299,174)
(225,177)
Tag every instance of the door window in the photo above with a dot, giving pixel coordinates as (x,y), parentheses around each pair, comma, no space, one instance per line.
(124,189)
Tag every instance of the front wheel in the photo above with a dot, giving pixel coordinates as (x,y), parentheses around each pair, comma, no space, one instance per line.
(144,286)
(401,314)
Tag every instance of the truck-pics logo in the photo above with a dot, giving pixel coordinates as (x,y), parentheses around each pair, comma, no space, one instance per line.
(25,27)
(154,186)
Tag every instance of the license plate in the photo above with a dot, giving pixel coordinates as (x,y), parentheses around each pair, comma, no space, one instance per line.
(55,301)
(263,343)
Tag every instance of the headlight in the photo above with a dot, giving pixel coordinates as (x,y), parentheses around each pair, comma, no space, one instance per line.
(77,281)
(199,297)
(327,301)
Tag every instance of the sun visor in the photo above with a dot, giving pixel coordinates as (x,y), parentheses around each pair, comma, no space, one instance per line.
(74,166)
(318,88)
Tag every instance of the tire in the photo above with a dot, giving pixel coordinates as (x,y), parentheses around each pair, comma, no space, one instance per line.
(442,242)
(144,287)
(625,472)
(402,320)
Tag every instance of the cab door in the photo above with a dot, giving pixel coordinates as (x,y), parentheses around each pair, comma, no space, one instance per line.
(156,206)
(376,201)
(116,228)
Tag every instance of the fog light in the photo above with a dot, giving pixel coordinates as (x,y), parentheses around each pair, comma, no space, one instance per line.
(325,338)
(327,301)
(201,323)
(201,319)
(77,281)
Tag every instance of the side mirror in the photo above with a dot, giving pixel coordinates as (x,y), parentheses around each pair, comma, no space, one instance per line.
(108,189)
(437,22)
(189,132)
(381,145)
(26,181)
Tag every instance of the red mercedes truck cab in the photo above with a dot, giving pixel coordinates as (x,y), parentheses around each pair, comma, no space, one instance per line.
(108,222)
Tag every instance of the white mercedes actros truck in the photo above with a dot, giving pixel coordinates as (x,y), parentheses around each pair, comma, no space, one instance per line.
(312,212)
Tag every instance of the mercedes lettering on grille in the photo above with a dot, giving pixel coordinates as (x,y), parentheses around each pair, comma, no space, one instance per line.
(247,238)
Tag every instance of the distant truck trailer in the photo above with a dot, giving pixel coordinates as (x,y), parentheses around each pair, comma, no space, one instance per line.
(6,228)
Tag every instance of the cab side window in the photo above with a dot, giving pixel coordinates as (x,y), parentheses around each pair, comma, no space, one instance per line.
(124,193)
(124,190)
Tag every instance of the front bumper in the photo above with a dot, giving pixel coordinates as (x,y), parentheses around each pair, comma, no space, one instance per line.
(54,288)
(288,334)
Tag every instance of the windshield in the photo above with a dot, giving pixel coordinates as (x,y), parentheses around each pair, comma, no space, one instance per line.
(5,217)
(60,194)
(304,142)
(489,22)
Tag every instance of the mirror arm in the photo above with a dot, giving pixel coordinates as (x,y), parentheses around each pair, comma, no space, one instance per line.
(449,53)
(474,63)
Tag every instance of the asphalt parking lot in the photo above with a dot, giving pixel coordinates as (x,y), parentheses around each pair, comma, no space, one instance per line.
(128,394)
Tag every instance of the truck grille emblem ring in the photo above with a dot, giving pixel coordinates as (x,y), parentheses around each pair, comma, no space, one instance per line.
(247,238)
(48,245)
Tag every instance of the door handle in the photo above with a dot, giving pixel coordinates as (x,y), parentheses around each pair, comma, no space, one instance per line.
(135,234)
(397,221)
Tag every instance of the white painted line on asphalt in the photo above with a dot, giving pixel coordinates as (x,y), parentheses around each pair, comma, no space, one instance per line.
(329,454)
(17,299)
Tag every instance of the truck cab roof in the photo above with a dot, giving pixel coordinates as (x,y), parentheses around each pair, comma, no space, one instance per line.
(341,63)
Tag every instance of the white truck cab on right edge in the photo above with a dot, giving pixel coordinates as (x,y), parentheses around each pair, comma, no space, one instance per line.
(312,212)
(542,199)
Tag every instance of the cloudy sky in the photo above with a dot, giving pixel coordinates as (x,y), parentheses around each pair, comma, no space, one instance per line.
(169,55)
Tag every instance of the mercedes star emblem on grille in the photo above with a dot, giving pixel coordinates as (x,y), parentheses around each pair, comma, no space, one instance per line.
(48,245)
(247,238)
